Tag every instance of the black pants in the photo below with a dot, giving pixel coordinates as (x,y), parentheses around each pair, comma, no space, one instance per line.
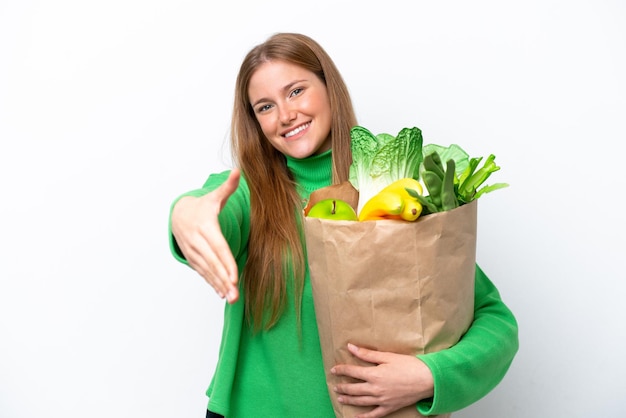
(210,414)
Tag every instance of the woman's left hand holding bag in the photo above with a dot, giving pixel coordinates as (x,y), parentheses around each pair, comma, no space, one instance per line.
(392,382)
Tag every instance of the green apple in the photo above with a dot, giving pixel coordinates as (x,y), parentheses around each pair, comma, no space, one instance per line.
(334,209)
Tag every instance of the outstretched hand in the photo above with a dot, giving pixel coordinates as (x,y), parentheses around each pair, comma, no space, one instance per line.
(393,381)
(199,237)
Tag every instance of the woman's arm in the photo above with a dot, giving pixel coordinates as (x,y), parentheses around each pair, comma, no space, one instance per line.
(469,370)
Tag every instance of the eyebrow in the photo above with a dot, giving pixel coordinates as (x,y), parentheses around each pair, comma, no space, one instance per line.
(289,86)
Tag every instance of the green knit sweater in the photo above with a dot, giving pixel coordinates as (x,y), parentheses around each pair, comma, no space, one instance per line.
(279,373)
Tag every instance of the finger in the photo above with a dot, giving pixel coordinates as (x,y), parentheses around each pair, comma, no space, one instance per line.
(366,400)
(223,287)
(221,195)
(219,256)
(354,371)
(206,254)
(227,188)
(377,412)
(358,400)
(218,266)
(370,356)
(199,263)
(360,372)
(353,389)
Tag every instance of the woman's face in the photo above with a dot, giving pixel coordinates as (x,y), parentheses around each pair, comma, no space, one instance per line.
(291,104)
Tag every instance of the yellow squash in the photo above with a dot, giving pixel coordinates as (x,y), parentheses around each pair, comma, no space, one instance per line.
(384,205)
(394,202)
(412,209)
(400,186)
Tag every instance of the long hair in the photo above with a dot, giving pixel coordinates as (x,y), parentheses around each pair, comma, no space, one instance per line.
(276,245)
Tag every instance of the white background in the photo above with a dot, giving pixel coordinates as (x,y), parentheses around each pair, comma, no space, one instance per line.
(109,110)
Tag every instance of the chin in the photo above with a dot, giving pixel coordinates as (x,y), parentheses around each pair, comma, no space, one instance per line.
(300,153)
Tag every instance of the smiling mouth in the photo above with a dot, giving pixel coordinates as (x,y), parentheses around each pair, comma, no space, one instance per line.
(297,130)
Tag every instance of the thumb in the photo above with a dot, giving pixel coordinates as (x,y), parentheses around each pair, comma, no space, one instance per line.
(228,187)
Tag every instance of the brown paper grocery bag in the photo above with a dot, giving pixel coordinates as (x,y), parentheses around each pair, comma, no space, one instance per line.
(403,287)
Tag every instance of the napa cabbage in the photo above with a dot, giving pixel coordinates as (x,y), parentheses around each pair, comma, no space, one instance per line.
(379,160)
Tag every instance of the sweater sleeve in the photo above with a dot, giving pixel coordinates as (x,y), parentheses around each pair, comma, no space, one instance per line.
(233,218)
(469,370)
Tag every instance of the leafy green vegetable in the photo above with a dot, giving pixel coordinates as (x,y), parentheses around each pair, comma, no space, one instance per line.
(441,184)
(449,175)
(454,152)
(379,160)
(470,187)
(449,199)
(448,187)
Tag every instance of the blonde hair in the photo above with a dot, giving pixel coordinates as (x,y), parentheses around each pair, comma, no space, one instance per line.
(275,245)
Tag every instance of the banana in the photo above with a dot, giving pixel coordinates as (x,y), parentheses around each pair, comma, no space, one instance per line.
(384,205)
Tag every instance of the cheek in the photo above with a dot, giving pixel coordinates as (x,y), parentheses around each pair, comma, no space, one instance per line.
(267,126)
(327,116)
(323,107)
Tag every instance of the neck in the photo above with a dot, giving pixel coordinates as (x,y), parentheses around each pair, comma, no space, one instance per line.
(311,173)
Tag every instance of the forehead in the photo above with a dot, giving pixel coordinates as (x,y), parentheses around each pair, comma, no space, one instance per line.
(274,76)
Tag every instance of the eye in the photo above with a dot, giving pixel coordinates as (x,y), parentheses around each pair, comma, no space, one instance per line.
(295,92)
(263,108)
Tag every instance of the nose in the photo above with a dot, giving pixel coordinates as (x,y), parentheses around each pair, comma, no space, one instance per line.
(287,115)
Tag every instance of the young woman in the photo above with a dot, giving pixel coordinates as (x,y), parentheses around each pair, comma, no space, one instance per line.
(241,232)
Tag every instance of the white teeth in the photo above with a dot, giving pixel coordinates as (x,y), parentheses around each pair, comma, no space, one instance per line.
(295,131)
